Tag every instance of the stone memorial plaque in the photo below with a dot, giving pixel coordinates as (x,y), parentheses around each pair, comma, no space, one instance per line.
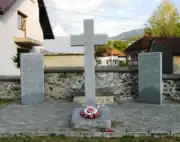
(32,78)
(150,77)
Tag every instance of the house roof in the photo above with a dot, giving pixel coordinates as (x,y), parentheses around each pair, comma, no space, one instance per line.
(5,5)
(48,53)
(146,42)
(115,52)
(44,21)
(140,44)
(44,51)
(173,43)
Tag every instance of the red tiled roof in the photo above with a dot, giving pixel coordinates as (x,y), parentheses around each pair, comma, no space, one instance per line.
(115,52)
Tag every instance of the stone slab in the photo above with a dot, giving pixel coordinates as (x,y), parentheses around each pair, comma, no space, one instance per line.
(99,92)
(32,78)
(104,121)
(150,77)
(99,99)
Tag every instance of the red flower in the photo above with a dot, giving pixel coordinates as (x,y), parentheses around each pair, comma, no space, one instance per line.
(82,113)
(109,130)
(85,115)
(91,116)
(98,113)
(91,110)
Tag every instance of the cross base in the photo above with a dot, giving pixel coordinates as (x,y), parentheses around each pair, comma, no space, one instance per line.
(103,121)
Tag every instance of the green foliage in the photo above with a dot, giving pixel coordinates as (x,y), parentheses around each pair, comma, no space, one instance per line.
(124,64)
(164,21)
(3,104)
(110,43)
(16,60)
(118,44)
(134,39)
(62,138)
(102,51)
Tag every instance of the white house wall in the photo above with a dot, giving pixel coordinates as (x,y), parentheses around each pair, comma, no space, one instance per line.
(62,45)
(8,28)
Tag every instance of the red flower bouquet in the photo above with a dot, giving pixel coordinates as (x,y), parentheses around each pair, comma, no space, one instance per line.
(90,112)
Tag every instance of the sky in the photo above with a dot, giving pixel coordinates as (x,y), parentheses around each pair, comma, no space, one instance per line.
(111,17)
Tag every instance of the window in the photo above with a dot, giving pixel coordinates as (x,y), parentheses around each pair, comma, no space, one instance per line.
(98,62)
(107,62)
(22,21)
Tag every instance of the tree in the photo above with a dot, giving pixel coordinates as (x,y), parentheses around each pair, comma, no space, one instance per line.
(120,45)
(164,21)
(110,43)
(102,51)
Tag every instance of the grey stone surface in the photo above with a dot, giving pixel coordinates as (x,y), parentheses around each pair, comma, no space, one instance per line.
(32,78)
(104,121)
(103,96)
(52,116)
(150,77)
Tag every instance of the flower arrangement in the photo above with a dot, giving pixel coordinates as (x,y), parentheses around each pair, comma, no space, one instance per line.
(90,112)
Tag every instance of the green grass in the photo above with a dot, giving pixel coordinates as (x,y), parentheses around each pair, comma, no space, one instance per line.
(65,139)
(116,123)
(3,104)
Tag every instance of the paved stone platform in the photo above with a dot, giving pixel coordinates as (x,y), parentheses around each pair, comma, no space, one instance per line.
(52,116)
(103,121)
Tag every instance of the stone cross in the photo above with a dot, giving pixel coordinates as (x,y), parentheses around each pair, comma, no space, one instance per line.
(89,40)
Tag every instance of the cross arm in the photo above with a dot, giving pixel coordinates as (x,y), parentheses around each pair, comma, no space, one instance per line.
(76,40)
(100,39)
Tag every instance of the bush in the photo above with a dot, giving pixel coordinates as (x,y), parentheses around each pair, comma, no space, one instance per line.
(16,60)
(124,64)
(102,51)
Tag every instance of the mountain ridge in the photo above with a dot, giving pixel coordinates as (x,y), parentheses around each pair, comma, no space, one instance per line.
(128,35)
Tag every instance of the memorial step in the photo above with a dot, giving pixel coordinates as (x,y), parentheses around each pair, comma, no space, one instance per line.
(103,96)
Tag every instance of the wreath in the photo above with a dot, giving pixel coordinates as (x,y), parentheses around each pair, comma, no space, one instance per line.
(90,112)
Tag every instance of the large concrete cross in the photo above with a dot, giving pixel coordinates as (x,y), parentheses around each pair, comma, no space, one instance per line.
(88,40)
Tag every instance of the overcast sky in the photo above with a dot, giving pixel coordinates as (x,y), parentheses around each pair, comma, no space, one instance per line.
(111,16)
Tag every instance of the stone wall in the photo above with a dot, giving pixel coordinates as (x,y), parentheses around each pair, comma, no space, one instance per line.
(172,90)
(63,85)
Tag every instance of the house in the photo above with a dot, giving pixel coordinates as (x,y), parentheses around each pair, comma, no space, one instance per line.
(113,60)
(169,46)
(59,53)
(24,24)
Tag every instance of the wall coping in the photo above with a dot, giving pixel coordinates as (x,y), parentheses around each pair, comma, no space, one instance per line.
(81,70)
(171,77)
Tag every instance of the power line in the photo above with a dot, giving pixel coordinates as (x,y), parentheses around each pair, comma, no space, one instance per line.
(60,9)
(104,16)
